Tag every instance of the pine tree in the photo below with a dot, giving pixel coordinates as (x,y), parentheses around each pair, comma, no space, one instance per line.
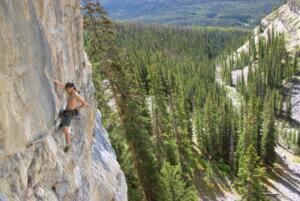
(210,127)
(136,122)
(131,104)
(199,129)
(161,118)
(249,134)
(250,175)
(225,129)
(135,190)
(298,138)
(278,103)
(176,188)
(180,121)
(269,137)
(289,106)
(295,63)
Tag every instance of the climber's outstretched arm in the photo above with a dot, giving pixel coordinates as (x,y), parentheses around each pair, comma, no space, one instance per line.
(59,84)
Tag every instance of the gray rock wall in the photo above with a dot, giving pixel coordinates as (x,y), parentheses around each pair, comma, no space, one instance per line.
(105,166)
(41,40)
(294,6)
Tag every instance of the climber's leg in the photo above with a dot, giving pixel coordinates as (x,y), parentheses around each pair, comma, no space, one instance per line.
(68,138)
(67,135)
(65,123)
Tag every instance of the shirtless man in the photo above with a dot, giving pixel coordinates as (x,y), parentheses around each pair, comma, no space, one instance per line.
(74,103)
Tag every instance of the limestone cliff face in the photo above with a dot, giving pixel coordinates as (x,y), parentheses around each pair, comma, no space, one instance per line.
(41,40)
(286,20)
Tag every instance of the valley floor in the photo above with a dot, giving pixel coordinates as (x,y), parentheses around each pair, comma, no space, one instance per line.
(284,180)
(218,190)
(296,98)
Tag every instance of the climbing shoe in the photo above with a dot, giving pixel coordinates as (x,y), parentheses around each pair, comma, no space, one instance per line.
(67,148)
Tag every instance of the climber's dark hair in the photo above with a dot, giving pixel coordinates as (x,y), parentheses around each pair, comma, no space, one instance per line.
(70,85)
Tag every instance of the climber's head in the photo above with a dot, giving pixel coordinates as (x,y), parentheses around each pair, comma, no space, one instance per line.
(70,87)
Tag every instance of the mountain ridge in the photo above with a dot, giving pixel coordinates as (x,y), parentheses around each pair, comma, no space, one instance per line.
(283,178)
(193,12)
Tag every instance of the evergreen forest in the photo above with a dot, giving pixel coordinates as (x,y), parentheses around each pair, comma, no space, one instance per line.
(167,108)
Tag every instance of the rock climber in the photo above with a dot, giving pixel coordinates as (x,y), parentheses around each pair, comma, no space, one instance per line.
(74,103)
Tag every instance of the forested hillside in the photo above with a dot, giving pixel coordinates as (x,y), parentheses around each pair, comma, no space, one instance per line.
(263,76)
(159,80)
(181,123)
(191,12)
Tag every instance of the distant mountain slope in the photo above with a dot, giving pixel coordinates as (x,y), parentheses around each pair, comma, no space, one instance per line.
(283,179)
(191,12)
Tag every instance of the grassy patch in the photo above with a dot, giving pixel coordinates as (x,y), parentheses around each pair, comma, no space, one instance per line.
(297,160)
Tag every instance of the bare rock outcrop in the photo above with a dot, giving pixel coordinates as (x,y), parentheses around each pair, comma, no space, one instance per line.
(41,40)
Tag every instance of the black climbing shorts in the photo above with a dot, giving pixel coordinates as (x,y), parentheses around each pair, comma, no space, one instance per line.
(67,117)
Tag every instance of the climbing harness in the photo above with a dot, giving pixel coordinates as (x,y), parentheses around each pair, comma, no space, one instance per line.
(62,114)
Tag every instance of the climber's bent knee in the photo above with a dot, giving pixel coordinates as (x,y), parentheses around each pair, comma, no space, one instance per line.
(66,129)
